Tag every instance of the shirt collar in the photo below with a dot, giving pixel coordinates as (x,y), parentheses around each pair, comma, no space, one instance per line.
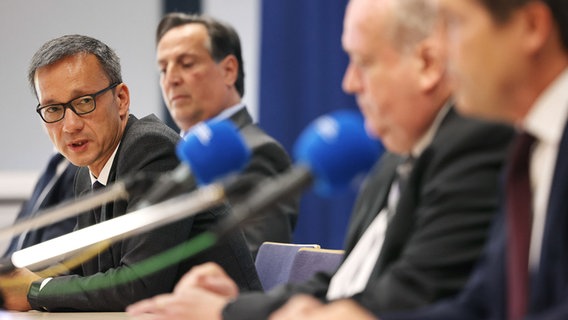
(427,138)
(547,118)
(105,172)
(225,114)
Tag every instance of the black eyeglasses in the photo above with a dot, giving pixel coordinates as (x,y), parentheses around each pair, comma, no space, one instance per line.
(81,105)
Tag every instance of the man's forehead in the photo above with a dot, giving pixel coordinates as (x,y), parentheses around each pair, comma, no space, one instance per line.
(69,77)
(364,18)
(191,33)
(183,41)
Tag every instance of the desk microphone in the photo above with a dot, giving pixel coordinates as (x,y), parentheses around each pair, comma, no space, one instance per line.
(209,151)
(331,153)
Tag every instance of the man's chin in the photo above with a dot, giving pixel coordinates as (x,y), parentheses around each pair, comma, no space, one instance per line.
(468,108)
(372,131)
(465,106)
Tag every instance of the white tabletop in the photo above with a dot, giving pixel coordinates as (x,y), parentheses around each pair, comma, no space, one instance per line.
(33,315)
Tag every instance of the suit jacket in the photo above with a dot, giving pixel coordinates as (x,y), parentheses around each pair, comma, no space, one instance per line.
(57,191)
(485,296)
(147,146)
(437,232)
(268,159)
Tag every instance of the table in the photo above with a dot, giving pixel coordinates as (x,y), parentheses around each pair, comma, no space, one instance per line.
(34,315)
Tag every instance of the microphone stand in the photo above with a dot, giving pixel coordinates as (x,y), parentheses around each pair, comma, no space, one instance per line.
(60,248)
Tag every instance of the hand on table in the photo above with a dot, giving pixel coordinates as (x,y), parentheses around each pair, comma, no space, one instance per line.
(202,293)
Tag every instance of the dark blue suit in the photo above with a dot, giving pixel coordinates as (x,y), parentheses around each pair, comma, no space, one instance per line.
(485,295)
(48,192)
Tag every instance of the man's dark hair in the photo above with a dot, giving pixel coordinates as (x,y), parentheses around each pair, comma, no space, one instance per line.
(502,9)
(224,40)
(69,45)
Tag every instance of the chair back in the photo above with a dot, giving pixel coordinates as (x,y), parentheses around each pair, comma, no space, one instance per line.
(274,260)
(309,261)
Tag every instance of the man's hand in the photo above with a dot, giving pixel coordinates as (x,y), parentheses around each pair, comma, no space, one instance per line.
(15,287)
(211,277)
(193,303)
(299,307)
(305,307)
(202,293)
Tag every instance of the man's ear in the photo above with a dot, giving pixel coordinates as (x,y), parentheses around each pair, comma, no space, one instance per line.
(230,69)
(536,26)
(431,62)
(123,97)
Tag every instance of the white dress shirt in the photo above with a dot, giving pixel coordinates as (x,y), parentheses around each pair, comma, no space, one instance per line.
(545,121)
(102,179)
(225,114)
(355,271)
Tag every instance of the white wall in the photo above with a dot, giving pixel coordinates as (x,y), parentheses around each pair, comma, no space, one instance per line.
(244,16)
(126,25)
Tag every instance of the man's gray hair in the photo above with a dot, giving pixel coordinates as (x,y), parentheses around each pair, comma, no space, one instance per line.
(69,45)
(413,21)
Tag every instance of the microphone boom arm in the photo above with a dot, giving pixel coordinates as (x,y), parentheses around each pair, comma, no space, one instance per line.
(132,223)
(67,209)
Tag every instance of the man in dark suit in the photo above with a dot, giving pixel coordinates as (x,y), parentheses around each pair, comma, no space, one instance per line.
(55,185)
(528,89)
(202,78)
(510,62)
(422,217)
(98,134)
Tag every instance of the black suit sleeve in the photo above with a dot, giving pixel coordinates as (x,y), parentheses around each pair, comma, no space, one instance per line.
(259,305)
(148,149)
(268,159)
(437,234)
(456,196)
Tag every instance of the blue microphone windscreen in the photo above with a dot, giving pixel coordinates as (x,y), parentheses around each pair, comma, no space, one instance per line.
(213,149)
(337,149)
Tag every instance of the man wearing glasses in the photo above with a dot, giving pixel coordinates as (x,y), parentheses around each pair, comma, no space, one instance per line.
(85,107)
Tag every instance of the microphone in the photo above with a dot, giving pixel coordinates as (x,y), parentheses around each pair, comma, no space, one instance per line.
(208,152)
(213,149)
(136,222)
(73,207)
(331,153)
(337,150)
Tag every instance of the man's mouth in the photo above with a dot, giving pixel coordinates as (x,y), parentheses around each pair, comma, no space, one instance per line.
(77,144)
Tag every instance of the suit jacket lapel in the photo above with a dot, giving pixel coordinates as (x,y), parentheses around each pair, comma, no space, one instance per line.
(241,118)
(549,283)
(401,226)
(373,198)
(44,195)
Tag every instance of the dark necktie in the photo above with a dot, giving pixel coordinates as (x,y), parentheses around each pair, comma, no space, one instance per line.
(519,221)
(354,274)
(403,172)
(398,186)
(97,211)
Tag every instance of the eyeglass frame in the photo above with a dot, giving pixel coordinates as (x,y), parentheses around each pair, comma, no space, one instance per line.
(68,104)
